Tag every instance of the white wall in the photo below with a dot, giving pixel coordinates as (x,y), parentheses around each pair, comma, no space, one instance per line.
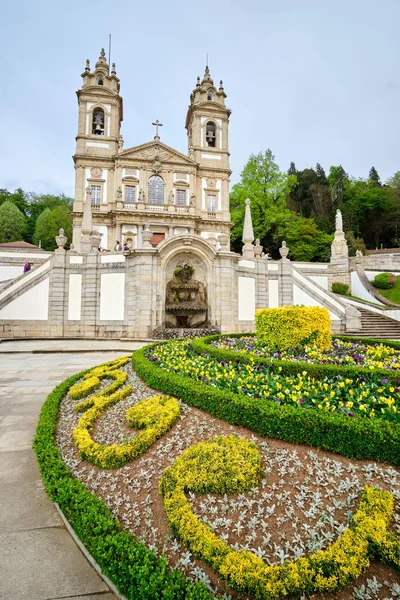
(358,289)
(75,297)
(301,297)
(322,280)
(247,298)
(112,296)
(33,305)
(273,293)
(10,272)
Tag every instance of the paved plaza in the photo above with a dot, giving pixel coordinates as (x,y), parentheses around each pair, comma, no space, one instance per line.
(39,559)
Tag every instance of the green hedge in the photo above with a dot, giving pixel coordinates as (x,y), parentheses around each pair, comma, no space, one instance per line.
(366,439)
(136,571)
(286,367)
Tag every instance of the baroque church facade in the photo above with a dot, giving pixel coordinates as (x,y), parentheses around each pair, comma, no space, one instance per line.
(150,185)
(178,274)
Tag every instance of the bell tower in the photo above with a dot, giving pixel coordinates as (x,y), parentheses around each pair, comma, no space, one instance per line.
(207,124)
(100,110)
(98,140)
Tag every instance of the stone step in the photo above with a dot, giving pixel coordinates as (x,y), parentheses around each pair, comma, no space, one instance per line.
(378,326)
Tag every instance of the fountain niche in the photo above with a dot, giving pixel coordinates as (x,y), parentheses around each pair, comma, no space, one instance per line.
(186,300)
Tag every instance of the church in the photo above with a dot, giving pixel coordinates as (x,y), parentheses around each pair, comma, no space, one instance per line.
(169,214)
(151,183)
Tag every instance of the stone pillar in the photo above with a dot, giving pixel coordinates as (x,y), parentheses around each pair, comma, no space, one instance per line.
(286,278)
(117,234)
(57,295)
(139,239)
(248,235)
(147,235)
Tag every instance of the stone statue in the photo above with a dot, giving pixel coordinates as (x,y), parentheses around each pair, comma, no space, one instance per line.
(359,253)
(339,221)
(119,195)
(171,199)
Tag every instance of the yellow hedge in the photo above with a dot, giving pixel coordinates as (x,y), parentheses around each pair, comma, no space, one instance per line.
(292,326)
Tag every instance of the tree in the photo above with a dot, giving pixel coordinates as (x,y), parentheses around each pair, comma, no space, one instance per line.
(37,204)
(48,224)
(338,184)
(321,175)
(267,187)
(12,222)
(305,241)
(373,178)
(18,198)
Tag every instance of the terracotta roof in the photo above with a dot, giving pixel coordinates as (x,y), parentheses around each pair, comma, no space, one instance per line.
(19,244)
(384,251)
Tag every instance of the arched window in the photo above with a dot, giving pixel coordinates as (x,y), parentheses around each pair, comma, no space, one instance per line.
(156,190)
(210,134)
(98,122)
(210,95)
(100,81)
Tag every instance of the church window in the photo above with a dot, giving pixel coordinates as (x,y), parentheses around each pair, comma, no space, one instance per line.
(181,197)
(100,81)
(211,203)
(98,122)
(95,193)
(130,193)
(210,95)
(210,134)
(156,190)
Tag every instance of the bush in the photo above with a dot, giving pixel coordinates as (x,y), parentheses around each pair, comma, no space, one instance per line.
(384,281)
(293,326)
(340,288)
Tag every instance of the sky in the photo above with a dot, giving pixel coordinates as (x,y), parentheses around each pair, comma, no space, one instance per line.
(312,80)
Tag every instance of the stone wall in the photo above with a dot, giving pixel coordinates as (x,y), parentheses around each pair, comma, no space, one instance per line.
(122,295)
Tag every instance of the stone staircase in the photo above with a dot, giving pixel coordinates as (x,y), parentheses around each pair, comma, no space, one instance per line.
(377,326)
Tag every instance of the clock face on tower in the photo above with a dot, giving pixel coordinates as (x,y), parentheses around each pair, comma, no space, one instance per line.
(211,182)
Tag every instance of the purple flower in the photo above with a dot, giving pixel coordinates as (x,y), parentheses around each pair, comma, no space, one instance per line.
(301,400)
(384,380)
(223,363)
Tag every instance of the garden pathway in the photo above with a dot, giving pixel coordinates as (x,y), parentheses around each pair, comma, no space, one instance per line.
(39,559)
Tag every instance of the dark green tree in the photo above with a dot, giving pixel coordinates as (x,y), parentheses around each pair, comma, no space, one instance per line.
(267,187)
(12,222)
(18,198)
(373,178)
(38,203)
(48,224)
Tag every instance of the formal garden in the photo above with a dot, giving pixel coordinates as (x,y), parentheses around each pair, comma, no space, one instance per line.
(246,466)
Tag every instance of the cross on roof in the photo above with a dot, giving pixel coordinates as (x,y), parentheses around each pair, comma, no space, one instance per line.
(157,124)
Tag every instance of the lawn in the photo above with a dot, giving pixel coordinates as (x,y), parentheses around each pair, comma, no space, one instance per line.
(393,294)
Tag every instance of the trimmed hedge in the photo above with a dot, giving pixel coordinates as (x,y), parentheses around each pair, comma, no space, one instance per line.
(384,281)
(367,439)
(286,367)
(340,288)
(136,571)
(290,326)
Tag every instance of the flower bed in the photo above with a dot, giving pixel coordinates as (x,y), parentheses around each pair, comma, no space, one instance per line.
(137,572)
(348,396)
(231,465)
(341,352)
